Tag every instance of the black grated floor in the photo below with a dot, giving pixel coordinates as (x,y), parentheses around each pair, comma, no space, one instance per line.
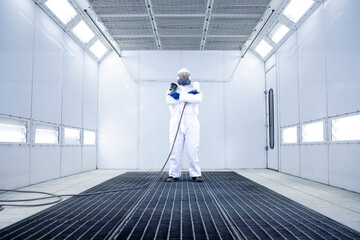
(225,206)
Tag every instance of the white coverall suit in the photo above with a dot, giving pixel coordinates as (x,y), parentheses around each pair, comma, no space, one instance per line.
(189,130)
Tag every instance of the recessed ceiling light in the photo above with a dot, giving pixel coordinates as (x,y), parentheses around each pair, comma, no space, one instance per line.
(98,49)
(62,9)
(83,32)
(296,9)
(279,32)
(263,48)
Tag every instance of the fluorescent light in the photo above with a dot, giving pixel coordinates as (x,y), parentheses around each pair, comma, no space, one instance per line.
(12,131)
(83,32)
(346,128)
(89,137)
(71,136)
(313,132)
(289,135)
(62,9)
(296,9)
(279,32)
(98,49)
(46,134)
(263,48)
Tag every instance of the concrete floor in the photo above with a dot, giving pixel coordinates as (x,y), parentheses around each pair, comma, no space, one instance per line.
(337,204)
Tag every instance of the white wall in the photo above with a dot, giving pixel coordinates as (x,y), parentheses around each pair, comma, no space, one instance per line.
(134,118)
(45,77)
(158,66)
(318,77)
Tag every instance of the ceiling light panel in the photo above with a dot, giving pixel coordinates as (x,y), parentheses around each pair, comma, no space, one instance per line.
(83,32)
(278,33)
(263,48)
(98,49)
(62,9)
(296,9)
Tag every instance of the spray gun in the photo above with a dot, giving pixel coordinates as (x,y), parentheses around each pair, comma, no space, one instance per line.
(173,87)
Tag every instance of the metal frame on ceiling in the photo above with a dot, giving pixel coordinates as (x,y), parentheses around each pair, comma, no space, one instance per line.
(224,33)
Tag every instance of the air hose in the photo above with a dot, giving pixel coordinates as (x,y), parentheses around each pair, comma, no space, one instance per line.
(9,203)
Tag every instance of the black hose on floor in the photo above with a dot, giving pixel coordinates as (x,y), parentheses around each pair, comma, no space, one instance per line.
(8,203)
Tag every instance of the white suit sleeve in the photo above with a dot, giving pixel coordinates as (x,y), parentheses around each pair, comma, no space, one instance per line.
(191,98)
(170,100)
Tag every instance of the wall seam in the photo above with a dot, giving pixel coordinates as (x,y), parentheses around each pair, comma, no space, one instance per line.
(298,82)
(31,131)
(97,115)
(61,138)
(224,118)
(328,135)
(138,116)
(82,112)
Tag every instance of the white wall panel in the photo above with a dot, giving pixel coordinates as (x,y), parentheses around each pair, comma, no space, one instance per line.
(231,60)
(245,115)
(342,37)
(118,116)
(290,160)
(16,58)
(90,85)
(205,65)
(45,163)
(72,83)
(164,65)
(131,60)
(154,125)
(70,160)
(344,166)
(314,163)
(14,166)
(48,67)
(312,72)
(212,134)
(88,156)
(288,81)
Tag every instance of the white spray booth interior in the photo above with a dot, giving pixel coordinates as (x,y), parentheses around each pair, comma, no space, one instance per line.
(49,82)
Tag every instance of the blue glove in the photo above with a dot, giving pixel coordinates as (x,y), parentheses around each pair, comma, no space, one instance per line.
(175,95)
(193,92)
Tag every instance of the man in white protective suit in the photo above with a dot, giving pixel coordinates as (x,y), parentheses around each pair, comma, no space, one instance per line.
(177,96)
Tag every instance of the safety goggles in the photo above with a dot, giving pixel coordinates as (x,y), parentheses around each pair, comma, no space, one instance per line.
(184,75)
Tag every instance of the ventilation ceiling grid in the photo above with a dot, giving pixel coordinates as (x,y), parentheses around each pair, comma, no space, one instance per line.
(179,6)
(231,26)
(180,43)
(183,26)
(127,25)
(118,6)
(179,24)
(224,43)
(136,43)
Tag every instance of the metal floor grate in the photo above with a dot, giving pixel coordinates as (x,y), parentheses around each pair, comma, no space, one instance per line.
(225,206)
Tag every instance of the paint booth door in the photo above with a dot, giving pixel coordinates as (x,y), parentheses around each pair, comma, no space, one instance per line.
(272,120)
